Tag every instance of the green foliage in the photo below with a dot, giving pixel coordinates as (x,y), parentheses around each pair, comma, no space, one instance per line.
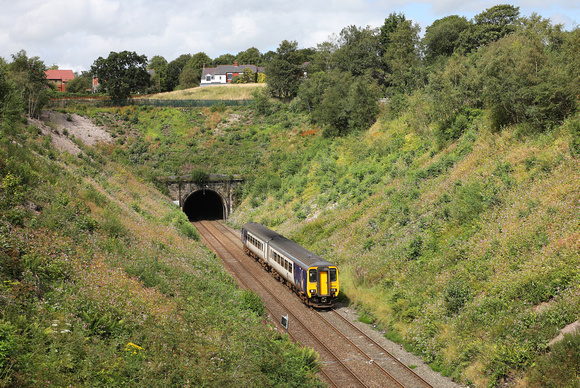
(402,58)
(122,74)
(519,84)
(191,73)
(253,302)
(561,366)
(456,295)
(10,101)
(200,177)
(112,225)
(7,346)
(575,138)
(30,80)
(80,84)
(358,51)
(283,79)
(442,37)
(347,103)
(489,26)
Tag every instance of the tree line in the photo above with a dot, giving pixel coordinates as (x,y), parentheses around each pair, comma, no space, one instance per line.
(521,69)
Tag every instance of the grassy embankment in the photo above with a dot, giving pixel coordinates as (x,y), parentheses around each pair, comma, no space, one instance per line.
(226,92)
(467,251)
(104,282)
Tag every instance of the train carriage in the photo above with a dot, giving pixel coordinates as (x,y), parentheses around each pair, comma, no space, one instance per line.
(314,279)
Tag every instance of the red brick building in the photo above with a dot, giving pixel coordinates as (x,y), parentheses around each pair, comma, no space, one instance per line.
(60,78)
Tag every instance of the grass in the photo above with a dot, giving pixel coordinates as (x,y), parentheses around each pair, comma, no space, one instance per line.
(216,92)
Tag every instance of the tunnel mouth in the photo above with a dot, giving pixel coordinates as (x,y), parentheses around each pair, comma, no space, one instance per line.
(204,205)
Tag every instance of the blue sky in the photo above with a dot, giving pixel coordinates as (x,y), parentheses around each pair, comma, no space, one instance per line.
(74,33)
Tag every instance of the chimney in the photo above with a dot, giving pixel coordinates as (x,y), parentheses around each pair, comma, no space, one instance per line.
(204,65)
(236,63)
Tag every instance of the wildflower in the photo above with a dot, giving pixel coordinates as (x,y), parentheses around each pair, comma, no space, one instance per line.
(133,349)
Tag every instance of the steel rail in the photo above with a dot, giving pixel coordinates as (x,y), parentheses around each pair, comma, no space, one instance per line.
(267,290)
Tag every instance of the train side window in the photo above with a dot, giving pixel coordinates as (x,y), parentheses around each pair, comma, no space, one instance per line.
(333,274)
(312,275)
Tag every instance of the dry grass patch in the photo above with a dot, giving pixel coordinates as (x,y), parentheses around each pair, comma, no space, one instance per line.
(226,92)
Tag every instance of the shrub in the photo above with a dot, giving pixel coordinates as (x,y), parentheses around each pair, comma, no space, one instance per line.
(575,138)
(560,367)
(7,345)
(200,177)
(455,295)
(253,302)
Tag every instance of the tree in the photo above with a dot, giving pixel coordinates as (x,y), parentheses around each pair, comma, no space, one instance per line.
(159,80)
(80,83)
(358,51)
(323,57)
(30,80)
(174,69)
(388,28)
(523,84)
(284,73)
(251,56)
(10,102)
(122,74)
(190,76)
(247,76)
(224,59)
(283,79)
(402,57)
(348,104)
(442,37)
(489,26)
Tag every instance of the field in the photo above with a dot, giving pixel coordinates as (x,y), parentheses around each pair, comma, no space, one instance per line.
(226,92)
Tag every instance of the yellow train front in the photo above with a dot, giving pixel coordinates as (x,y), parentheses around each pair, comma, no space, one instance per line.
(314,279)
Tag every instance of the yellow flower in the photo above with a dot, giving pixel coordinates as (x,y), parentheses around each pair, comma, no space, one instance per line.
(133,349)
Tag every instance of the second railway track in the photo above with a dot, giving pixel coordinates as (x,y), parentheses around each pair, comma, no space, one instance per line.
(349,357)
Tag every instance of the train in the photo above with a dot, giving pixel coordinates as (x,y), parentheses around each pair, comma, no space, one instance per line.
(311,277)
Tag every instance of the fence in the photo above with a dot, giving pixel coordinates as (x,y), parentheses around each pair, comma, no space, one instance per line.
(63,103)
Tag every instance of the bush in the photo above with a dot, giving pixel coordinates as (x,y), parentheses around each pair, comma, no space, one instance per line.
(455,295)
(560,367)
(575,138)
(253,302)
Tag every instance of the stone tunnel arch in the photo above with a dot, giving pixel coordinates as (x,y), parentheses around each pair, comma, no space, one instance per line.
(204,204)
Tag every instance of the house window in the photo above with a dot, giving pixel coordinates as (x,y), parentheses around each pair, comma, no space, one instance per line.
(208,78)
(230,76)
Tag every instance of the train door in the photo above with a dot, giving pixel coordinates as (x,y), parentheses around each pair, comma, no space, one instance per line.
(324,288)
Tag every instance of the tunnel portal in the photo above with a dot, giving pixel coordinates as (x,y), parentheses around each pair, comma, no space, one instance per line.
(204,205)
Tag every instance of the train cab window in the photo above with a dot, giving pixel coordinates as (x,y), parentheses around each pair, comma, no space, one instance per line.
(333,274)
(312,275)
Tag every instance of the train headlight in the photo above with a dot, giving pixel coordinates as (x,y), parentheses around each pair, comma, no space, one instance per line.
(333,290)
(313,291)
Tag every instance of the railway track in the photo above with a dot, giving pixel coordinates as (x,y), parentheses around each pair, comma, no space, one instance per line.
(350,358)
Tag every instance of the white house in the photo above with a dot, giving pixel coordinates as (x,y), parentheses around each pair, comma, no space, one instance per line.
(223,74)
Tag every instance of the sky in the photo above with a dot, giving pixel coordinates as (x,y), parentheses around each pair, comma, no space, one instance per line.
(74,33)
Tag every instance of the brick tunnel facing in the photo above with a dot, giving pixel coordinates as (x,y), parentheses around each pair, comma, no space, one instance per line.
(204,205)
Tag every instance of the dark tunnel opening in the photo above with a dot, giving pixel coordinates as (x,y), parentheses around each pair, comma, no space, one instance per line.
(204,205)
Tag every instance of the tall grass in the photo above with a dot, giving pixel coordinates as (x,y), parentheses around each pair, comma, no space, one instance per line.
(102,283)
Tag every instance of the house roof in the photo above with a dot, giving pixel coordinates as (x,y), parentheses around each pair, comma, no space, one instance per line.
(63,75)
(225,69)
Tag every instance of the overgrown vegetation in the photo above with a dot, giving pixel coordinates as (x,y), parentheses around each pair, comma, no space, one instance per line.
(103,281)
(453,216)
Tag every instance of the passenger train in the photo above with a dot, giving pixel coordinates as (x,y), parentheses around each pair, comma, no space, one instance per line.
(314,279)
